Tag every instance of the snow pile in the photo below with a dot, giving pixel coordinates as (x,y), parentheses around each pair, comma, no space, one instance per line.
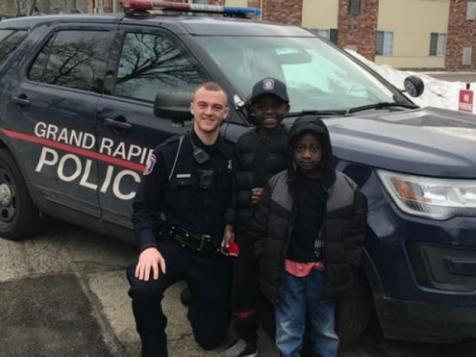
(437,93)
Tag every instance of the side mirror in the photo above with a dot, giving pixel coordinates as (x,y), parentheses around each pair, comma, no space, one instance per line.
(173,105)
(414,86)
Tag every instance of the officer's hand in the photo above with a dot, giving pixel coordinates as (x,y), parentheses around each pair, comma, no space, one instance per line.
(228,237)
(150,259)
(256,194)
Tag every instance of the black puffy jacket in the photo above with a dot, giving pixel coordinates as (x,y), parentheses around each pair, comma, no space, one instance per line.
(257,158)
(343,228)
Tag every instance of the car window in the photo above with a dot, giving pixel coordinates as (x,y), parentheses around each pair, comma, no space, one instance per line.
(153,62)
(73,59)
(9,40)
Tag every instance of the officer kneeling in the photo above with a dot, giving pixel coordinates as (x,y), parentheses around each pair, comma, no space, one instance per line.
(188,181)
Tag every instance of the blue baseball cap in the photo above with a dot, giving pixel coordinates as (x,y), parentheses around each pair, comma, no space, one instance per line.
(270,86)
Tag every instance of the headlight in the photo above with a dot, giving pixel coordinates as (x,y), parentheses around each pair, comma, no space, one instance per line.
(431,197)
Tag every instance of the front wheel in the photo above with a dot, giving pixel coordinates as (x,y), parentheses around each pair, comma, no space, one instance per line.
(19,217)
(353,312)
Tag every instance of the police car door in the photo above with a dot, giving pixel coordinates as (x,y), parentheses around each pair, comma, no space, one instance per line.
(148,61)
(51,116)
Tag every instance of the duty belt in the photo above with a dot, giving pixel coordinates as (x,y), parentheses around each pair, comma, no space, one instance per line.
(196,242)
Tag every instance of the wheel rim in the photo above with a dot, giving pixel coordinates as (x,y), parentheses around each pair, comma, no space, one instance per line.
(7,197)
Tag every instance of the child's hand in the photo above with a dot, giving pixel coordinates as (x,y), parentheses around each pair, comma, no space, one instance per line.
(256,194)
(228,237)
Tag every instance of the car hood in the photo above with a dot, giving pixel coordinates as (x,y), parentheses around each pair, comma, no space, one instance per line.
(427,141)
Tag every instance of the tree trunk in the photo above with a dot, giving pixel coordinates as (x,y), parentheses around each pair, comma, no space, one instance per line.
(31,10)
(18,7)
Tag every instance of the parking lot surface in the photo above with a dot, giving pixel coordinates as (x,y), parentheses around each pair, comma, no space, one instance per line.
(64,293)
(460,76)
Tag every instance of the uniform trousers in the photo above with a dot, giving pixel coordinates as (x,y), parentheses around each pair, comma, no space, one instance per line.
(208,278)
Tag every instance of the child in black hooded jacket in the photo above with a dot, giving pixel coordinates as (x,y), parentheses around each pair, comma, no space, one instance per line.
(309,226)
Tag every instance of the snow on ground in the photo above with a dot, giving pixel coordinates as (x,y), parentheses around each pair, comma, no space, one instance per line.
(437,93)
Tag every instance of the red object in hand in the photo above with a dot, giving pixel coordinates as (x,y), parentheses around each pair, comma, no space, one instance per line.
(233,249)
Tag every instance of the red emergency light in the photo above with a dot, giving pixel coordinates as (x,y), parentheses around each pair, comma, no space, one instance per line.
(145,5)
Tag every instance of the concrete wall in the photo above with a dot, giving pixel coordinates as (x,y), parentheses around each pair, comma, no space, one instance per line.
(412,22)
(320,14)
(236,2)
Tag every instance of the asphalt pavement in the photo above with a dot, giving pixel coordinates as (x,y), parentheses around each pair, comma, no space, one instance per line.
(64,293)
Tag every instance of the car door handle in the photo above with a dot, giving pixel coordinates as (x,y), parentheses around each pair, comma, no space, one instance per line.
(22,100)
(117,123)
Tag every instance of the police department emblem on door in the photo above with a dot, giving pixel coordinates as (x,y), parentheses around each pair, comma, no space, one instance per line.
(268,84)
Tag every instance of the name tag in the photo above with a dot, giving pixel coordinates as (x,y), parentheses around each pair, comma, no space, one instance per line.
(182,176)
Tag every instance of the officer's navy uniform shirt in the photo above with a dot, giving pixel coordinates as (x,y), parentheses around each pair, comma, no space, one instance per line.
(182,199)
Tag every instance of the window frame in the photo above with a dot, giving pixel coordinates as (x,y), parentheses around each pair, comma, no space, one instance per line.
(105,27)
(466,56)
(330,34)
(355,7)
(382,51)
(5,59)
(471,11)
(435,44)
(156,31)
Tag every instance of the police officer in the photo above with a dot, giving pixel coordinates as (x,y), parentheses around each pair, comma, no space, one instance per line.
(187,182)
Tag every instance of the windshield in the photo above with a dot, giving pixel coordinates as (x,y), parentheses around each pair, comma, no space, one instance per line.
(318,76)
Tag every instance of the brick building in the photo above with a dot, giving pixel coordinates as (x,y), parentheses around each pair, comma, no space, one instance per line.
(403,33)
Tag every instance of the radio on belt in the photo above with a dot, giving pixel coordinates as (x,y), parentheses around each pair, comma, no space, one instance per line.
(145,5)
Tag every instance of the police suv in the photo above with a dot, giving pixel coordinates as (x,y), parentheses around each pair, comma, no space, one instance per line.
(78,96)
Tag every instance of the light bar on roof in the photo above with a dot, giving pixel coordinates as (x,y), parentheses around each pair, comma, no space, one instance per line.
(144,5)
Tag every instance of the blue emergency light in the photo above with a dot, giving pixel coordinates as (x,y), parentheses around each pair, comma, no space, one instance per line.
(145,5)
(241,11)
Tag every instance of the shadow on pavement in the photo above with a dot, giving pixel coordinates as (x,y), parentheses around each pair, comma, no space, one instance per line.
(48,316)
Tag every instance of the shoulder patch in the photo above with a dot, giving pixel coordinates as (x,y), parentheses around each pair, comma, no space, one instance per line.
(149,166)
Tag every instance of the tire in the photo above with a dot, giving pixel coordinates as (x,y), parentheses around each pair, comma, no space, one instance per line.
(353,312)
(19,217)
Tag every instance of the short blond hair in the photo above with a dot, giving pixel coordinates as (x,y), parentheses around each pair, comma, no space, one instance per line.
(212,86)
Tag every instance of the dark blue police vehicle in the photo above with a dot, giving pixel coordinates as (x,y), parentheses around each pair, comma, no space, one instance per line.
(77,98)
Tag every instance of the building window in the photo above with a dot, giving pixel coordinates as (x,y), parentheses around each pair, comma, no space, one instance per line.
(354,7)
(467,54)
(471,11)
(328,34)
(384,43)
(437,44)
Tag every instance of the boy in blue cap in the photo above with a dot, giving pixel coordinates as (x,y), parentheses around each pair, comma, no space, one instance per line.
(259,154)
